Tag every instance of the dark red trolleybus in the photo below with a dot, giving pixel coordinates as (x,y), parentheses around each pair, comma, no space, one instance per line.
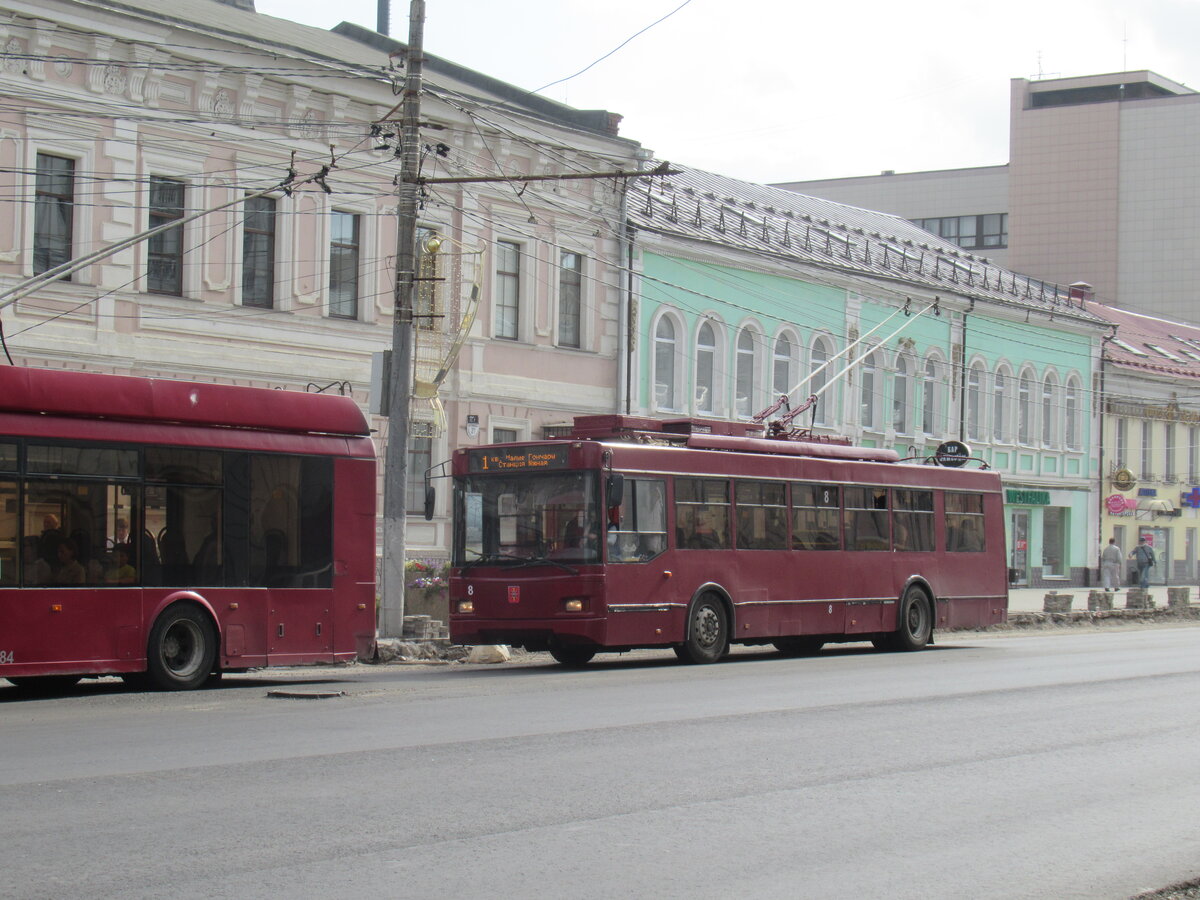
(695,535)
(167,530)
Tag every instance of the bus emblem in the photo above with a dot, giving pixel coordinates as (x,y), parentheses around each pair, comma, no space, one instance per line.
(514,593)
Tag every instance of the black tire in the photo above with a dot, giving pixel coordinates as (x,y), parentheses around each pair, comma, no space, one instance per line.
(572,656)
(914,627)
(707,632)
(44,685)
(182,649)
(799,646)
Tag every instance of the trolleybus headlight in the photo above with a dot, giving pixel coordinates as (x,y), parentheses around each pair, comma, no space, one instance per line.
(573,604)
(466,606)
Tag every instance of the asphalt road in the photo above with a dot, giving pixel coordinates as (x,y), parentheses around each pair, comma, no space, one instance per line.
(1044,765)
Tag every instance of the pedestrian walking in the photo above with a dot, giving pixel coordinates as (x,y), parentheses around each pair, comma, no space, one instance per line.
(1143,558)
(1111,559)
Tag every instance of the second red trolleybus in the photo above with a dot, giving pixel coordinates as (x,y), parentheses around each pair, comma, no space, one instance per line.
(695,535)
(168,531)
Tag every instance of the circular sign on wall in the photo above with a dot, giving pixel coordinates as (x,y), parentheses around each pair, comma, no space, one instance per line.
(1115,503)
(1123,480)
(952,453)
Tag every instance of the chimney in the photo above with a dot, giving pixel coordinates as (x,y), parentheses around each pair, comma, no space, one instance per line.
(1081,292)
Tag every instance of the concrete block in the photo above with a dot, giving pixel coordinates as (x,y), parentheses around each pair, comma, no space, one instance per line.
(1139,598)
(1100,601)
(1179,597)
(1056,602)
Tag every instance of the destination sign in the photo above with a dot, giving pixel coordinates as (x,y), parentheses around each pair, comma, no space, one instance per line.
(516,459)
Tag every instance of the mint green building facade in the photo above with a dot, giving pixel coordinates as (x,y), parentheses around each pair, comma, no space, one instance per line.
(725,327)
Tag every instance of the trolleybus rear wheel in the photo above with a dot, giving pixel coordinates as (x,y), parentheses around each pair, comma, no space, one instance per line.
(707,633)
(571,656)
(915,623)
(182,649)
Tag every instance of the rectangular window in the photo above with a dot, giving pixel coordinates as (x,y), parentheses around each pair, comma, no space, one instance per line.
(1054,541)
(570,298)
(865,518)
(964,523)
(1193,456)
(258,253)
(1147,472)
(164,252)
(701,513)
(641,532)
(1122,451)
(912,520)
(505,436)
(508,290)
(420,458)
(761,515)
(343,265)
(816,512)
(54,212)
(10,544)
(291,521)
(73,530)
(1169,473)
(973,232)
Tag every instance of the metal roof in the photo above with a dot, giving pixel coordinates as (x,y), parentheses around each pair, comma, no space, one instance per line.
(785,225)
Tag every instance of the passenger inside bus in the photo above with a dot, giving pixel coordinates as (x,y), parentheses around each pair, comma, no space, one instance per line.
(70,570)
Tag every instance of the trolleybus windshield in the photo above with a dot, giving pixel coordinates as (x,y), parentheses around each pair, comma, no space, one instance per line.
(516,519)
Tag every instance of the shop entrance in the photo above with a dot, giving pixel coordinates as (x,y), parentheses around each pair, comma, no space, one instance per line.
(1018,551)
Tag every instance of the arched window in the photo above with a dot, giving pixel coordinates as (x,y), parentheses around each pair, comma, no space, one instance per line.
(1025,408)
(706,362)
(745,382)
(665,388)
(782,367)
(1049,410)
(901,387)
(818,358)
(931,402)
(1073,418)
(975,402)
(866,394)
(1001,386)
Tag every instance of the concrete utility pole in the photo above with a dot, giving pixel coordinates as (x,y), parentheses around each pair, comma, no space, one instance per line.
(400,395)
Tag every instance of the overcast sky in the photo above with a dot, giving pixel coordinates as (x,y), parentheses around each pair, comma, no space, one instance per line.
(780,91)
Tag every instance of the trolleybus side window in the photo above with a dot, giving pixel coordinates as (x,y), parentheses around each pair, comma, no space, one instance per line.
(761,515)
(10,550)
(702,513)
(77,498)
(964,523)
(816,512)
(866,518)
(641,532)
(912,520)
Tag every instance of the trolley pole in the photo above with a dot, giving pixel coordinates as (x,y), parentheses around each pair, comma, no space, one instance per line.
(396,472)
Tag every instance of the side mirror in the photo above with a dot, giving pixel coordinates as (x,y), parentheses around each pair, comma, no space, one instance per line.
(614,486)
(430,496)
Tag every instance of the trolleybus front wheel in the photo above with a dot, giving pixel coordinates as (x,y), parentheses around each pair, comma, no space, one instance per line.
(914,627)
(707,633)
(572,656)
(182,649)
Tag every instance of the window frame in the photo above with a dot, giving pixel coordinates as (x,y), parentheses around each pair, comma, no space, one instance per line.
(262,297)
(352,248)
(506,319)
(47,203)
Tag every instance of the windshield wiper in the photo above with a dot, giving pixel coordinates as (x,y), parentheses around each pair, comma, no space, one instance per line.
(551,562)
(485,558)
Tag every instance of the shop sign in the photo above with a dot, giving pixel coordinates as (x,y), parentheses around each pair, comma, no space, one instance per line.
(1123,480)
(1116,504)
(1027,498)
(1191,499)
(1147,492)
